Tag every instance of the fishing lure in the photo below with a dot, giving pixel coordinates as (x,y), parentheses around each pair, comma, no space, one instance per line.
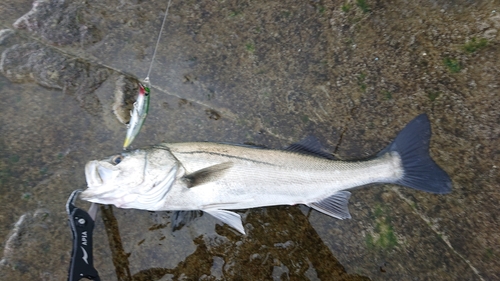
(141,106)
(138,115)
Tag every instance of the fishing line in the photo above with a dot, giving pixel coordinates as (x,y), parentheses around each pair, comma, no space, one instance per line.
(146,80)
(141,104)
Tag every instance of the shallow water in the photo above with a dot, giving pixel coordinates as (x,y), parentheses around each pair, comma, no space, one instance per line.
(268,73)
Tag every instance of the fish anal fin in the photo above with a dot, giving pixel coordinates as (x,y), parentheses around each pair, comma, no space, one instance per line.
(310,146)
(207,174)
(228,217)
(335,205)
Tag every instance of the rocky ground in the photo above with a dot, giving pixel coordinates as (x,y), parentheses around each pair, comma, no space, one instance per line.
(351,73)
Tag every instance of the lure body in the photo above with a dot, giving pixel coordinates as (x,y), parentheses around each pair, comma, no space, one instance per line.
(138,115)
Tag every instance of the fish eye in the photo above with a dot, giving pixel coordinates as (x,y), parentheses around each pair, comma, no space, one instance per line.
(117,159)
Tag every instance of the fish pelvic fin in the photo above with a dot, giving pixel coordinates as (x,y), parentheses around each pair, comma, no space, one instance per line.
(207,174)
(183,218)
(420,171)
(334,206)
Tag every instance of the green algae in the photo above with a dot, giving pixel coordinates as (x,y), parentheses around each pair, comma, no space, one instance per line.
(383,236)
(475,45)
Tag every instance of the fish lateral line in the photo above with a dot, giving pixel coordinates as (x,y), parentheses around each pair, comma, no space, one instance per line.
(226,155)
(286,179)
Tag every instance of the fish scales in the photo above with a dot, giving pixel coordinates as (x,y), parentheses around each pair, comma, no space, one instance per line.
(218,178)
(278,174)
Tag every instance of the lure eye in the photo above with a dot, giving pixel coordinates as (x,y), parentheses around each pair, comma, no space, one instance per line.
(117,159)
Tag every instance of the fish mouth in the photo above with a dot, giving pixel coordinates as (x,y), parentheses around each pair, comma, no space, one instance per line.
(97,176)
(92,174)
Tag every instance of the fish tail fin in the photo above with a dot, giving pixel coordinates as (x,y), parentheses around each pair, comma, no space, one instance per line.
(420,171)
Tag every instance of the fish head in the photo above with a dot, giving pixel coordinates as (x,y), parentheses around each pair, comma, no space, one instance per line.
(139,179)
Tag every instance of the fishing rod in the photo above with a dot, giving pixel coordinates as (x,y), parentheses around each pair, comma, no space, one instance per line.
(141,105)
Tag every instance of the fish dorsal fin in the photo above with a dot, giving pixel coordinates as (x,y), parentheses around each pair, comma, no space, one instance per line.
(228,217)
(207,174)
(310,146)
(335,205)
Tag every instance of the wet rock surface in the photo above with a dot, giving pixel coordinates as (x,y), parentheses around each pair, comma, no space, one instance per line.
(351,73)
(32,62)
(59,23)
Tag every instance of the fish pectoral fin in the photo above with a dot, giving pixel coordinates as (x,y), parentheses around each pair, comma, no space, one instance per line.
(228,217)
(335,205)
(207,174)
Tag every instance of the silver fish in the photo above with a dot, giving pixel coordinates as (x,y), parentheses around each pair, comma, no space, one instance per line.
(216,178)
